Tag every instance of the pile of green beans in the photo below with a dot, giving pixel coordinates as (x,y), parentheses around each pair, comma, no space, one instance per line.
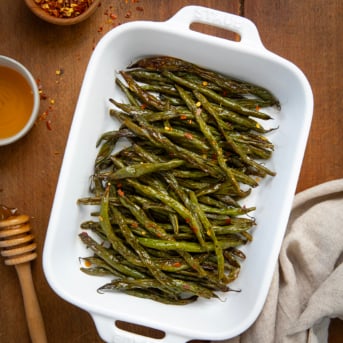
(171,222)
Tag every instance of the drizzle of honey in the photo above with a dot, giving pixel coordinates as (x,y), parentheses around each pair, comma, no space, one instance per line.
(16,102)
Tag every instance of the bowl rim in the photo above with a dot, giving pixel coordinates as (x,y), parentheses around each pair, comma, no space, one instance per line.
(40,13)
(22,70)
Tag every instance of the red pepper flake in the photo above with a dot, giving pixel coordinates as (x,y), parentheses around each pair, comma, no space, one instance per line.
(183,117)
(228,221)
(139,9)
(188,220)
(43,116)
(48,124)
(128,14)
(42,95)
(113,16)
(100,29)
(188,135)
(194,229)
(257,108)
(143,106)
(87,263)
(121,193)
(134,225)
(177,264)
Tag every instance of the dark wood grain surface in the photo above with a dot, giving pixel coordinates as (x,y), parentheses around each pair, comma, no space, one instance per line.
(308,33)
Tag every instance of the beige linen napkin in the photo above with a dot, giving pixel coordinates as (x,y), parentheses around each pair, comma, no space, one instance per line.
(307,287)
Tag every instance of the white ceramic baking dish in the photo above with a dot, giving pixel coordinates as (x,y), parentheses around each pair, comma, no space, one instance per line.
(247,59)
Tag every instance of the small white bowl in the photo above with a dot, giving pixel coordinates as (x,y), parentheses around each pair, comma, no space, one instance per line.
(18,67)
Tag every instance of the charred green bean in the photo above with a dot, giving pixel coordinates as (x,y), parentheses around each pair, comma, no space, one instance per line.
(171,204)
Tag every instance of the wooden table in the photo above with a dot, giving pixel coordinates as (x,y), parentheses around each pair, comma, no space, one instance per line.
(307,33)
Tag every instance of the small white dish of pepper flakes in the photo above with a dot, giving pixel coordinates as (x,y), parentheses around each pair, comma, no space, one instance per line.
(63,12)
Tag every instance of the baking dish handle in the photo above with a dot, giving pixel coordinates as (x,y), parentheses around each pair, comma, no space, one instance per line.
(244,27)
(110,333)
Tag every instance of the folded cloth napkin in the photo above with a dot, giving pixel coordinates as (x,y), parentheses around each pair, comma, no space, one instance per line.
(307,286)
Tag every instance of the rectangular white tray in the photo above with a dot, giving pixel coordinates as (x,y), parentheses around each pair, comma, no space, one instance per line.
(248,60)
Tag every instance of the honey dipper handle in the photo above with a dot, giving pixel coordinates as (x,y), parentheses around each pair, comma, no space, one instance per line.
(33,313)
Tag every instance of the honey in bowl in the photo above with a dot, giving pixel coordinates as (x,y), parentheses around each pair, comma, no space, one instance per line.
(16,102)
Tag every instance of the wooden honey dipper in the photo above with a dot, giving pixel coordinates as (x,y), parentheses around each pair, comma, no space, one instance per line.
(18,248)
